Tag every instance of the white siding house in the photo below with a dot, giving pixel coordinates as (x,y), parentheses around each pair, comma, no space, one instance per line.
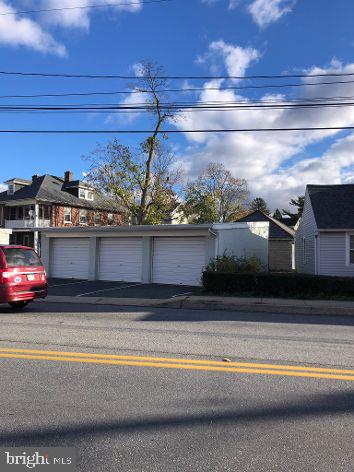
(325,235)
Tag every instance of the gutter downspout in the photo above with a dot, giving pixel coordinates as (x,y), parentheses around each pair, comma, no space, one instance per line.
(216,252)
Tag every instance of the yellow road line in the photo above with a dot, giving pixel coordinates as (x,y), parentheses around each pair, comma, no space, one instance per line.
(179,366)
(180,361)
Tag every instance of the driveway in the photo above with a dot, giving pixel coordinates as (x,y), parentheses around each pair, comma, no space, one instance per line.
(84,288)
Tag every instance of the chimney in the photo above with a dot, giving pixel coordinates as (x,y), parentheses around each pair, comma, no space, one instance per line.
(34,177)
(68,176)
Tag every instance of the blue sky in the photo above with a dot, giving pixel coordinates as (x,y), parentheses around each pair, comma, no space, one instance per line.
(187,37)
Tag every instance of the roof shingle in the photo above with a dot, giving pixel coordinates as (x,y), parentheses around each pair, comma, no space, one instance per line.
(333,205)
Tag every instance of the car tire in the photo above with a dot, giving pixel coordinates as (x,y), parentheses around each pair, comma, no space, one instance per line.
(19,305)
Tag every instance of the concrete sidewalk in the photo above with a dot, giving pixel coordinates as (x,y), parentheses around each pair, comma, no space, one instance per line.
(269,305)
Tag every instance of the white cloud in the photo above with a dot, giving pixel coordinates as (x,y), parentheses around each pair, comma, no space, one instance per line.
(19,31)
(265,12)
(80,17)
(276,164)
(235,58)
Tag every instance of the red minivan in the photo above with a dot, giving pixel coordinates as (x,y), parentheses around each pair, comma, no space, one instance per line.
(22,276)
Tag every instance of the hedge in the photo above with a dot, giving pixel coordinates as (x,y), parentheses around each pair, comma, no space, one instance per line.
(268,284)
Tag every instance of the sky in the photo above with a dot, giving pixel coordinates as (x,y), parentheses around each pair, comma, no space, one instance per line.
(186,37)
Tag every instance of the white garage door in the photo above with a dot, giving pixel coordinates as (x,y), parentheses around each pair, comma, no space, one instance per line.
(70,258)
(178,260)
(120,259)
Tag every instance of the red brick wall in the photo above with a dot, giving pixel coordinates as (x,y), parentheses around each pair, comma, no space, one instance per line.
(57,217)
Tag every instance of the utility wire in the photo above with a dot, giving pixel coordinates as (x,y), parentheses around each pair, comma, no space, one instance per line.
(195,107)
(174,77)
(126,92)
(181,90)
(82,7)
(174,131)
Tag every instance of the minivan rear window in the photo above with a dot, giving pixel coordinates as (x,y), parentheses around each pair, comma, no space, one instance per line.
(17,257)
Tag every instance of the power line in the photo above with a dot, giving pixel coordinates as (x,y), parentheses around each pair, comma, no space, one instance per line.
(128,92)
(171,106)
(179,90)
(82,7)
(174,131)
(174,77)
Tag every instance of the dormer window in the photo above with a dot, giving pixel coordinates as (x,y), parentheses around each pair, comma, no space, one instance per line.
(85,194)
(11,189)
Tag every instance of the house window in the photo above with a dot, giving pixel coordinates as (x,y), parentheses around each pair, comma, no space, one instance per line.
(44,212)
(110,219)
(83,217)
(67,215)
(11,189)
(47,212)
(351,249)
(85,194)
(97,218)
(20,213)
(12,213)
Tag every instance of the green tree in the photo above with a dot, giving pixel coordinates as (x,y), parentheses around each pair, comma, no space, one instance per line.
(215,196)
(298,203)
(120,175)
(140,180)
(259,204)
(277,214)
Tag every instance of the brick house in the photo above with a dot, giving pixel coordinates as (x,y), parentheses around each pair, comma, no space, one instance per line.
(49,201)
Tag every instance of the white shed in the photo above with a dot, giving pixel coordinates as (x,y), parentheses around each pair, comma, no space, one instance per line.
(163,254)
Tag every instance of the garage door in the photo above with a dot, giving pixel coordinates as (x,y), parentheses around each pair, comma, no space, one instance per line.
(178,260)
(70,258)
(120,259)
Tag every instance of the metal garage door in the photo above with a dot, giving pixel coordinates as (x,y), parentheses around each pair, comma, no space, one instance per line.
(178,260)
(120,259)
(70,258)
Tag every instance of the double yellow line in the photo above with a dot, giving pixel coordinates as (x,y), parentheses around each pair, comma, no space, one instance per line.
(175,363)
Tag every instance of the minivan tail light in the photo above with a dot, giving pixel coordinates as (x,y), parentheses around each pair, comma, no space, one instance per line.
(4,276)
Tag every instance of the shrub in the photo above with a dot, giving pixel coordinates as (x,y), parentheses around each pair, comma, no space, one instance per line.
(231,263)
(267,284)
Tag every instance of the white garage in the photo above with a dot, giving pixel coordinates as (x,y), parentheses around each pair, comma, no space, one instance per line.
(70,258)
(178,260)
(163,254)
(120,259)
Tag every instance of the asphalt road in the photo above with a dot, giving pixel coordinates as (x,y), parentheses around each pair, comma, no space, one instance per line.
(284,403)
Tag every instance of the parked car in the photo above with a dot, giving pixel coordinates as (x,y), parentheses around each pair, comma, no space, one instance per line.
(22,276)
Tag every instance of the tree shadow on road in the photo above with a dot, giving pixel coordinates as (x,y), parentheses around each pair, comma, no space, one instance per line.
(310,407)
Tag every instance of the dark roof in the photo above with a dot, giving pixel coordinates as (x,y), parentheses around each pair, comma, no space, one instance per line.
(49,188)
(290,221)
(333,205)
(277,230)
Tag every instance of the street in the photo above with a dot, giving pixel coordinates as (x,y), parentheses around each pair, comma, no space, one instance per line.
(137,389)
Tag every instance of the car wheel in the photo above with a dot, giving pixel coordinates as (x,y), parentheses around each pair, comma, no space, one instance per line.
(19,305)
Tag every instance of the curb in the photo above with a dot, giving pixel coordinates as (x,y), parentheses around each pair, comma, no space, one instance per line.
(279,306)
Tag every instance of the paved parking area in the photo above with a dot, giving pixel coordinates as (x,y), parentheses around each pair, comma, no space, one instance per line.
(84,288)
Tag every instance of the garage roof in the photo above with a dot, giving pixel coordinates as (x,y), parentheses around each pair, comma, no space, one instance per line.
(127,229)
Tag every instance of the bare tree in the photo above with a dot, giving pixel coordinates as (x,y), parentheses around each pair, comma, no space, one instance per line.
(142,180)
